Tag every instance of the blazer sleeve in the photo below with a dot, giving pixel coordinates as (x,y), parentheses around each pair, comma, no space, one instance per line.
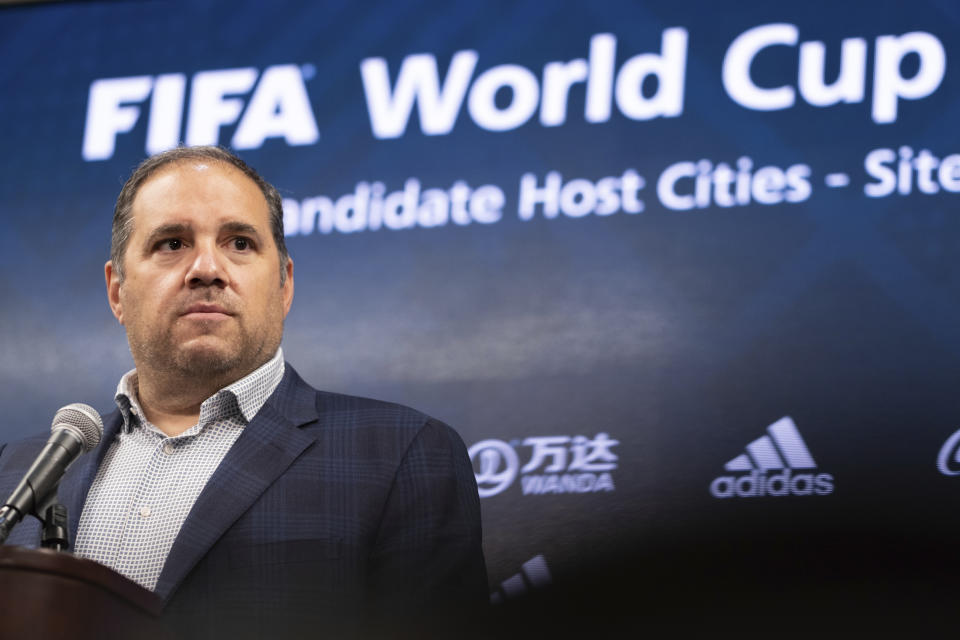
(427,562)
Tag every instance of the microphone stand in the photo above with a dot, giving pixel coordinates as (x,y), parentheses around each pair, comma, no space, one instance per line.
(56,534)
(52,515)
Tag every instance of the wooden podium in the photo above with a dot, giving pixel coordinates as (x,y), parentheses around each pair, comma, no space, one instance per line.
(51,595)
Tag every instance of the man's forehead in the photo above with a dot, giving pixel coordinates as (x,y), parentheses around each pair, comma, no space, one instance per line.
(169,195)
(199,171)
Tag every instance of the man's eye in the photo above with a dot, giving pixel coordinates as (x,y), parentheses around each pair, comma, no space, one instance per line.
(171,244)
(241,244)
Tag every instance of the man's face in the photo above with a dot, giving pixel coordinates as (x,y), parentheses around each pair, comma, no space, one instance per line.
(201,294)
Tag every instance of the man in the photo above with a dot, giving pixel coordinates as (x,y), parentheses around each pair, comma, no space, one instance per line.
(247,500)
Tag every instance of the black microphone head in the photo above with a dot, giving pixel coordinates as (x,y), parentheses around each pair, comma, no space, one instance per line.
(82,421)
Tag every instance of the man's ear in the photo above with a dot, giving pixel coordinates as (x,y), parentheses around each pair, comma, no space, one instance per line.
(113,290)
(288,288)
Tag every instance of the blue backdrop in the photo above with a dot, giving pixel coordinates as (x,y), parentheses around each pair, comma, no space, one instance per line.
(610,242)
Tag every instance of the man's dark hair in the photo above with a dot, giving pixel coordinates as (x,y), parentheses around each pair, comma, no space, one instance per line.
(123,214)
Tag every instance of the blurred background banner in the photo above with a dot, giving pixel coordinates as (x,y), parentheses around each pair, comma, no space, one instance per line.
(684,275)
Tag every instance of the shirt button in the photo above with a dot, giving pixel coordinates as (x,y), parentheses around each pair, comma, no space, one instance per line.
(145,512)
(168,447)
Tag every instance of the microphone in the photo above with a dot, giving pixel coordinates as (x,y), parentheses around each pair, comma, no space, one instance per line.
(76,429)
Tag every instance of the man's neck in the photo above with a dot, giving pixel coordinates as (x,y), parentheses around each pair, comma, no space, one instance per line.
(171,423)
(173,406)
(171,400)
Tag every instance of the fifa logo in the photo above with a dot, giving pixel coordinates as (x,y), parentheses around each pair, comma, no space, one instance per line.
(278,107)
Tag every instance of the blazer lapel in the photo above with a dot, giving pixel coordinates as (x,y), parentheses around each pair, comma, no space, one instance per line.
(76,482)
(267,447)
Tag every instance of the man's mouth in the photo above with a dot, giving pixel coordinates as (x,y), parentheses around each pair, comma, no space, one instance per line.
(206,310)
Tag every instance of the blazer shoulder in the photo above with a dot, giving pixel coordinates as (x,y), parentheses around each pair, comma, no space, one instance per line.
(341,417)
(302,404)
(388,425)
(394,422)
(367,409)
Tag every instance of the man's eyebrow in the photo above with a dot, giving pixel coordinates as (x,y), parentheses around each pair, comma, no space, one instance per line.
(239,227)
(164,230)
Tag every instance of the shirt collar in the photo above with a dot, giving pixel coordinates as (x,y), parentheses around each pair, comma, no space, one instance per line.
(245,397)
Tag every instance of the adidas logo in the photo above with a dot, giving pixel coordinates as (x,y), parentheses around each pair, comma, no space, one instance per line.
(534,574)
(782,451)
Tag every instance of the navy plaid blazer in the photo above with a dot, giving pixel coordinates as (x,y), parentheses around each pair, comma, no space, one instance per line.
(329,510)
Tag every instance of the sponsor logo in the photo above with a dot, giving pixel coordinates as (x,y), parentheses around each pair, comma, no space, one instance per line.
(278,107)
(557,464)
(948,461)
(534,574)
(770,467)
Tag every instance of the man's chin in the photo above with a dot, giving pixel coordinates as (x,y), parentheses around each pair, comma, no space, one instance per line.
(207,358)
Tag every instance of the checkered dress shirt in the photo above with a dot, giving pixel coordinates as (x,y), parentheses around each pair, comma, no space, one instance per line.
(148,481)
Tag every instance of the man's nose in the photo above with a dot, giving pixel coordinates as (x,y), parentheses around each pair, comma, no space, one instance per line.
(207,267)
